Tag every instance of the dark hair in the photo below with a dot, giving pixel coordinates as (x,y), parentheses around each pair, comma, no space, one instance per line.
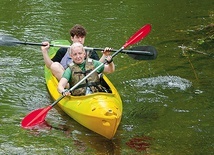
(78,30)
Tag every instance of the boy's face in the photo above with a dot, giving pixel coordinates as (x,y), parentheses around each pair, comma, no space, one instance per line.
(78,39)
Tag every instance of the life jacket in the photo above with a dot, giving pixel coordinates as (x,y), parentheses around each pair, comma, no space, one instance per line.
(92,82)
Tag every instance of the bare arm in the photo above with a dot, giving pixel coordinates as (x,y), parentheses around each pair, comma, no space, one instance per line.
(46,58)
(62,84)
(109,67)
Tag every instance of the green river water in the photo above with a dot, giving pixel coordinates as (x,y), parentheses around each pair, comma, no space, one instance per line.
(167,102)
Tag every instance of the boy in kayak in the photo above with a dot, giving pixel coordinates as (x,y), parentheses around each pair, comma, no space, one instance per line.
(60,61)
(79,68)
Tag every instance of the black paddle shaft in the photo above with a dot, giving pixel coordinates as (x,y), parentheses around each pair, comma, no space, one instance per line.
(140,52)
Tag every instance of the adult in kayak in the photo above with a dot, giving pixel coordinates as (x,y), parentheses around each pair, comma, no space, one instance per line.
(79,68)
(60,61)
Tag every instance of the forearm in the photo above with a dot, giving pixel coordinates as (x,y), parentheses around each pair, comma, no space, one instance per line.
(102,59)
(47,59)
(61,85)
(60,89)
(45,46)
(109,68)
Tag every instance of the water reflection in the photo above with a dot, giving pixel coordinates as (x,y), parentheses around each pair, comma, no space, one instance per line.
(81,138)
(140,143)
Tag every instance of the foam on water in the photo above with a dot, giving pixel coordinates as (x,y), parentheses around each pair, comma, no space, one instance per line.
(163,81)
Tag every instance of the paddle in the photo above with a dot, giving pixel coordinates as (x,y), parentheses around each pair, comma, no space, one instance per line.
(138,53)
(38,116)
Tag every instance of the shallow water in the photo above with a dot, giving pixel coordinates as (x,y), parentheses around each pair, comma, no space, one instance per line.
(167,102)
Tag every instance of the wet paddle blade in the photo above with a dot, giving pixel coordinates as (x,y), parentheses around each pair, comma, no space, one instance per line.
(138,36)
(35,117)
(148,53)
(6,40)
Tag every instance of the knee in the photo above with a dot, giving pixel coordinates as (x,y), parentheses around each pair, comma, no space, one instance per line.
(55,66)
(57,70)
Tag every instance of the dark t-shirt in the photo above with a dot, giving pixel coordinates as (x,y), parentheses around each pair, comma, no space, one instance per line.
(62,51)
(59,55)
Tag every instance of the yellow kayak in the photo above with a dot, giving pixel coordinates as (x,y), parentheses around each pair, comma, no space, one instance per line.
(100,112)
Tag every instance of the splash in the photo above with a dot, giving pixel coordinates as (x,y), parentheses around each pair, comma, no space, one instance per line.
(163,81)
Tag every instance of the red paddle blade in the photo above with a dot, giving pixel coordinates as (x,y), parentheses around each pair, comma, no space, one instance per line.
(139,35)
(35,117)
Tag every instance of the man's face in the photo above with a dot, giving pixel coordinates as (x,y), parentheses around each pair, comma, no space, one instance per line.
(78,39)
(78,55)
